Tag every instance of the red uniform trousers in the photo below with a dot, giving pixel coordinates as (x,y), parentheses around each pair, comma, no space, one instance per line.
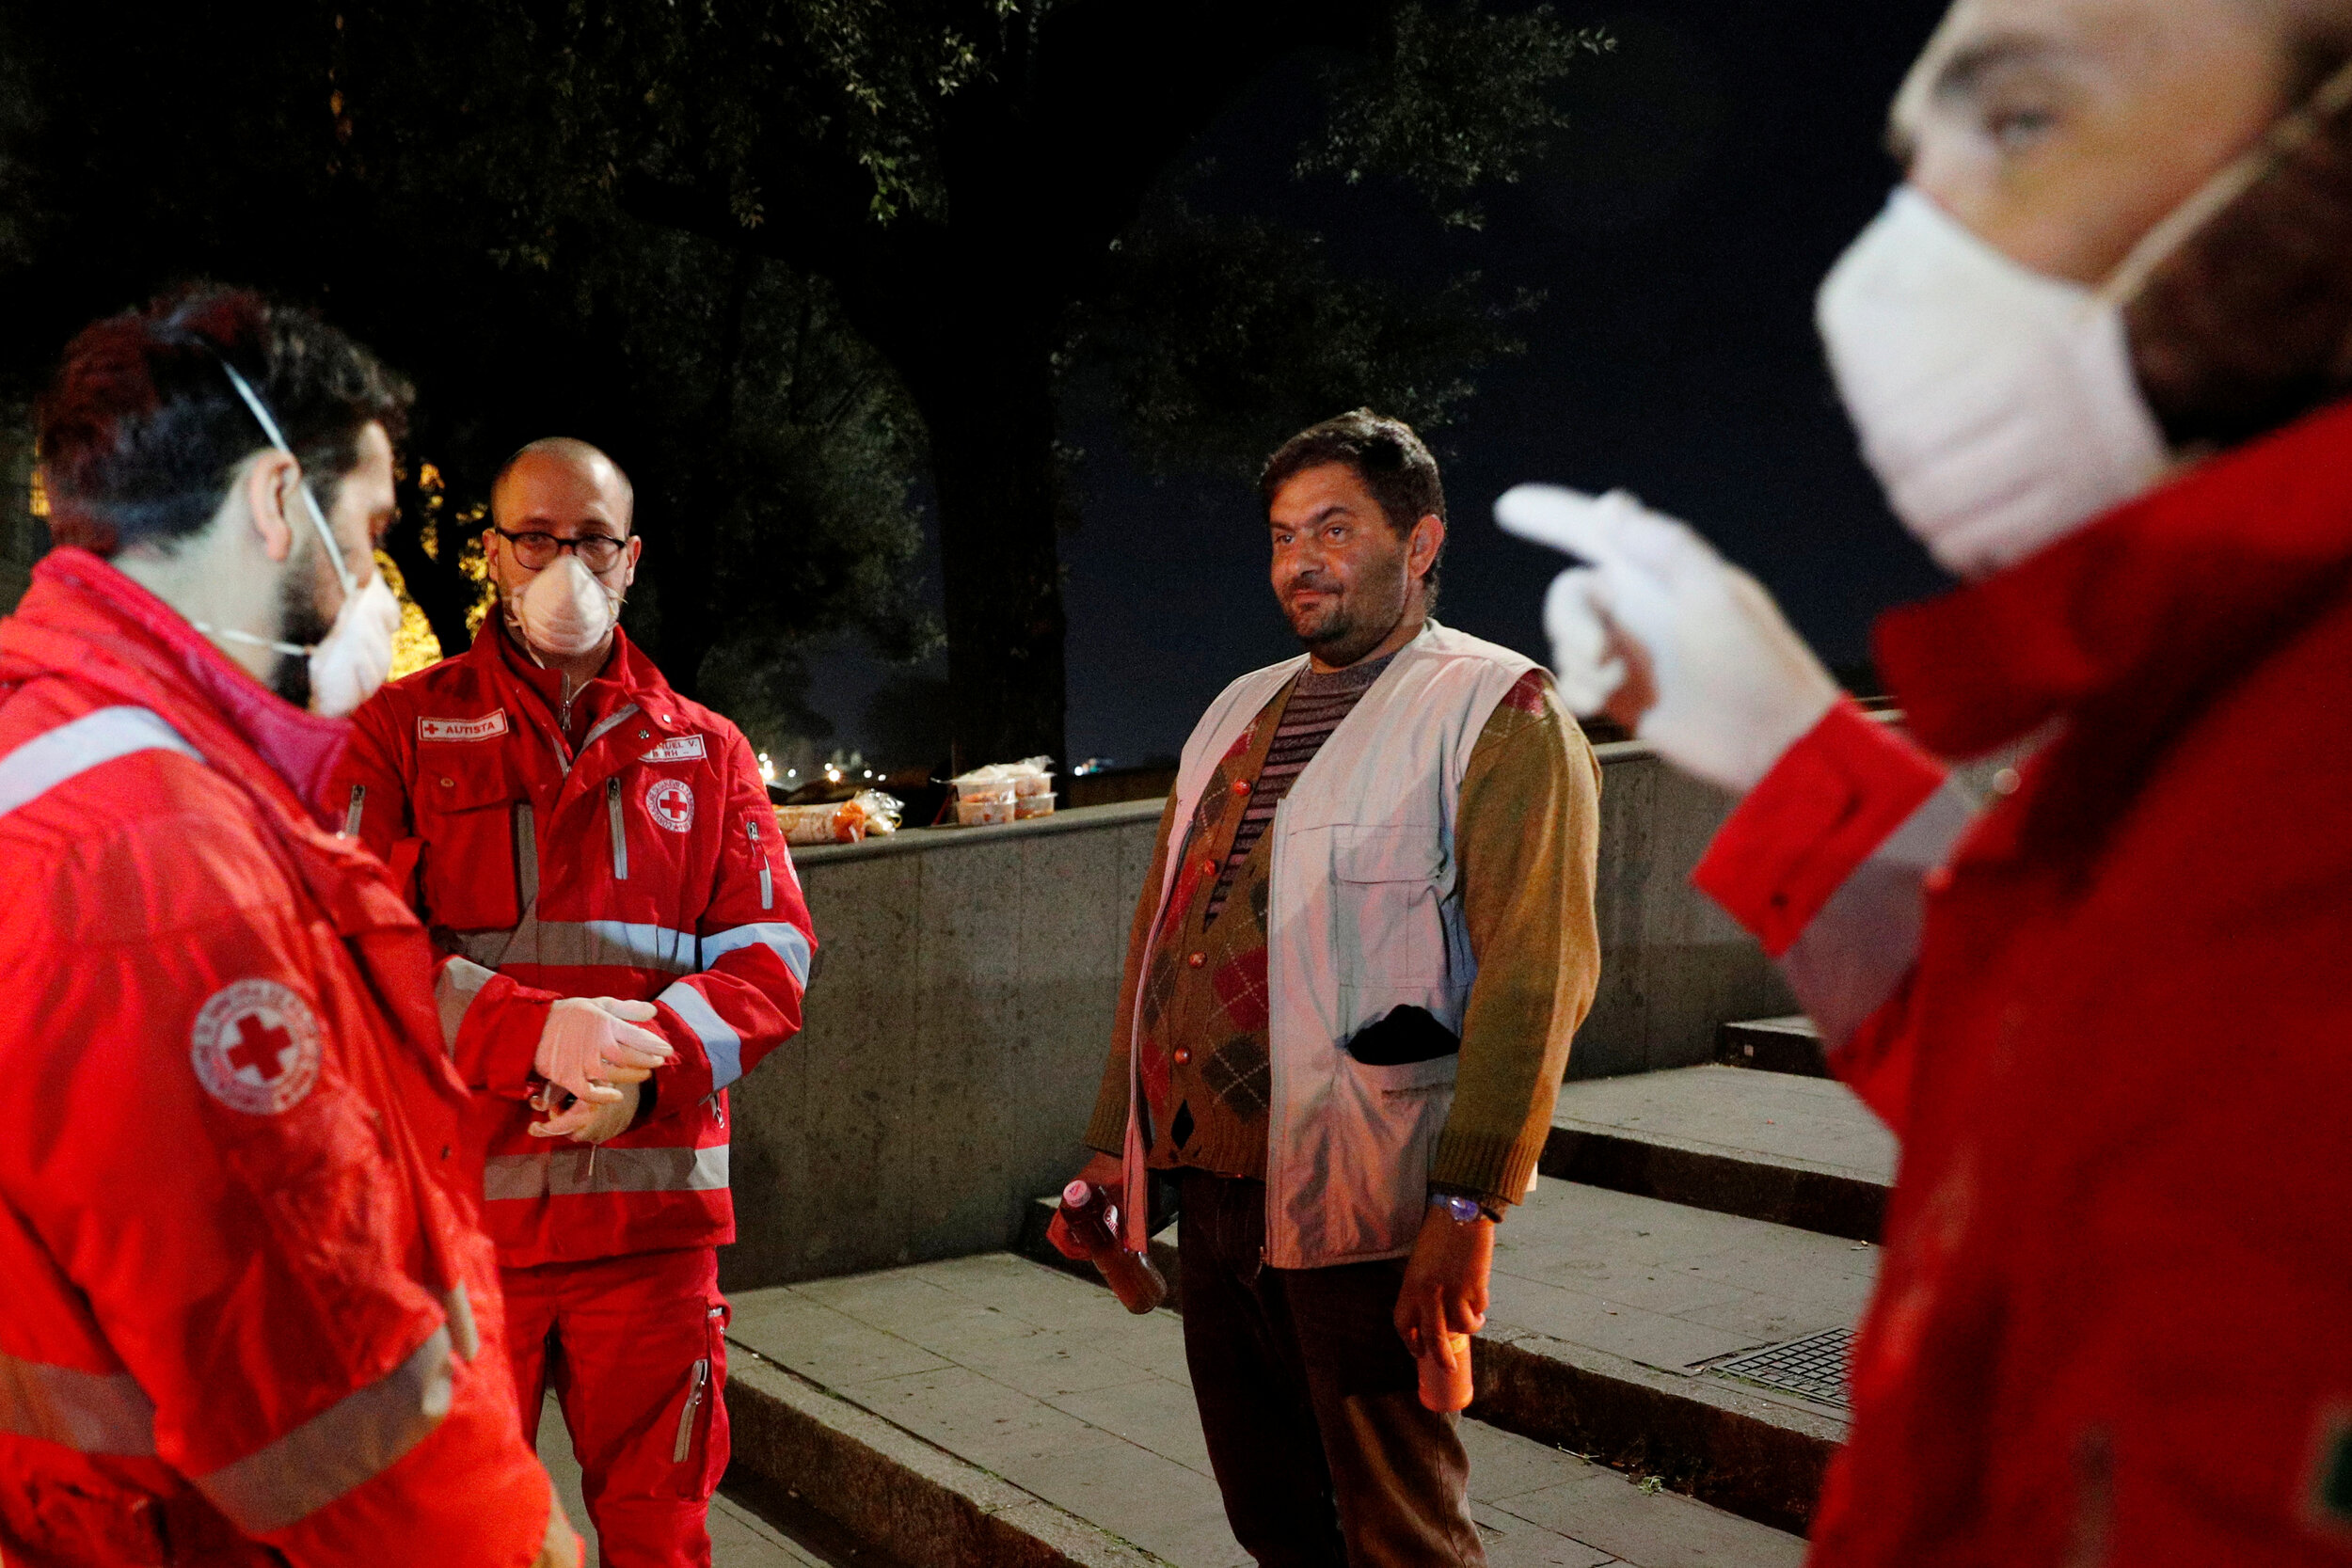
(635,1349)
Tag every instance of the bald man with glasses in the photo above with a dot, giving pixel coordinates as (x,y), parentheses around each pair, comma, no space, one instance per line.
(568,825)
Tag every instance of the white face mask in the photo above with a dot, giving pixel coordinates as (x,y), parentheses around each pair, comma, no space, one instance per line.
(1996,405)
(564,611)
(354,658)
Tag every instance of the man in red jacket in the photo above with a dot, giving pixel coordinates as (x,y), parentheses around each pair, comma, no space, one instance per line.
(250,1316)
(574,827)
(2098,349)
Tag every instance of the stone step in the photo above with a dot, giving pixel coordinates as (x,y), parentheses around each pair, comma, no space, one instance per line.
(1767,1146)
(988,1410)
(1609,1316)
(1788,1044)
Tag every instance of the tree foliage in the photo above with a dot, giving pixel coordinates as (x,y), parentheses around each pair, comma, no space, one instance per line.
(776,253)
(412,169)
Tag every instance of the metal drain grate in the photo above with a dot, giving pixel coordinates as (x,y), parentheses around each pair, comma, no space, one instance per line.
(1814,1366)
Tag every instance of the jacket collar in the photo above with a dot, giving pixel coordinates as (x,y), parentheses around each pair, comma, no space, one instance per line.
(2132,623)
(82,618)
(639,680)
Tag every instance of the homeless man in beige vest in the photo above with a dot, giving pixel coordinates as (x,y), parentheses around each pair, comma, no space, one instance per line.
(1365,941)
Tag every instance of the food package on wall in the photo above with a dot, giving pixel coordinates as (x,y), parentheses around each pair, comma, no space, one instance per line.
(840,821)
(1032,787)
(1005,792)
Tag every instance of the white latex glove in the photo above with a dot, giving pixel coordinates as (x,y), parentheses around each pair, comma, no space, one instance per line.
(592,1043)
(586,1121)
(1669,639)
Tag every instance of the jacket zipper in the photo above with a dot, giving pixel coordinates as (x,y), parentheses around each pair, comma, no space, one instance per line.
(351,813)
(767,876)
(620,840)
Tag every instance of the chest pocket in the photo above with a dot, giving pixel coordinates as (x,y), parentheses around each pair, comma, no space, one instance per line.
(1387,928)
(465,813)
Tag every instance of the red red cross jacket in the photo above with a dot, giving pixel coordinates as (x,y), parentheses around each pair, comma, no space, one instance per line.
(2108,1014)
(242,1295)
(645,866)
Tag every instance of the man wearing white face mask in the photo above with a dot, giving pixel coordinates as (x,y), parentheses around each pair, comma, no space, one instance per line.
(569,826)
(2098,349)
(251,1317)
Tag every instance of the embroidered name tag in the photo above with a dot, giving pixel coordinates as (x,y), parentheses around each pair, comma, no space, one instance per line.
(676,750)
(492,723)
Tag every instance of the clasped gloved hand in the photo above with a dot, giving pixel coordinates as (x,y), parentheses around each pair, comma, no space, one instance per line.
(591,1043)
(1666,636)
(583,1121)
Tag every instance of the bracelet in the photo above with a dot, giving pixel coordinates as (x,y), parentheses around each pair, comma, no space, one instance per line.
(1462,1210)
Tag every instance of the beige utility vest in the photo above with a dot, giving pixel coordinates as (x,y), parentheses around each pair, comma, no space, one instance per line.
(1364,914)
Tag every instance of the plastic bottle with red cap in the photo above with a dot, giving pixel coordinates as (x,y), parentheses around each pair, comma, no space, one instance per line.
(1091,1221)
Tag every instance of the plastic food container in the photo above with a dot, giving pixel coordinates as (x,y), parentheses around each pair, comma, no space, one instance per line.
(983,811)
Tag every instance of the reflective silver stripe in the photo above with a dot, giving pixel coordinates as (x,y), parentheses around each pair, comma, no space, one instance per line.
(575,1169)
(787,942)
(526,856)
(583,942)
(87,1412)
(615,717)
(620,839)
(345,1445)
(453,989)
(1858,948)
(723,1045)
(464,1331)
(46,761)
(767,875)
(351,813)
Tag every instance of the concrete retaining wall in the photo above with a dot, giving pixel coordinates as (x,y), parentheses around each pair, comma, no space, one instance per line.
(960,1013)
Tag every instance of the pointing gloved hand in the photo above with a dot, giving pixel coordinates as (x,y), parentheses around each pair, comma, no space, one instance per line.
(586,1121)
(591,1043)
(1667,638)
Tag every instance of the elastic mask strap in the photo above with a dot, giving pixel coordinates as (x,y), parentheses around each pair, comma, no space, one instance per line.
(222,634)
(2240,175)
(278,439)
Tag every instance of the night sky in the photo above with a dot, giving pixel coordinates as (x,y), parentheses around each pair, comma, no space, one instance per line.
(1721,159)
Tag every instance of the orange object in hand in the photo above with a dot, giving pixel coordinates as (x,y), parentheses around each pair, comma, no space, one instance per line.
(1444,1388)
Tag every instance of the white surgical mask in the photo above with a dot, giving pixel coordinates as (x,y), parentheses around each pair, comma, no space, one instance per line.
(354,658)
(564,611)
(1996,405)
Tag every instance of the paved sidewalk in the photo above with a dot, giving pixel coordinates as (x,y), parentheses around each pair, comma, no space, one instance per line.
(1040,1379)
(1665,1285)
(1773,1119)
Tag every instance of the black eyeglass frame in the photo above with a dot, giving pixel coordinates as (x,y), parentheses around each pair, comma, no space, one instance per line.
(549,545)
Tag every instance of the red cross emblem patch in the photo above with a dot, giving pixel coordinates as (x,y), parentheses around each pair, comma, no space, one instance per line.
(672,803)
(255,1047)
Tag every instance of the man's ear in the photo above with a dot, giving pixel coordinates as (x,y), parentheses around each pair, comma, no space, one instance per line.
(1422,545)
(268,482)
(636,549)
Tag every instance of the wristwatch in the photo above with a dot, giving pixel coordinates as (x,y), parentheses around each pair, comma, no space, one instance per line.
(1462,1210)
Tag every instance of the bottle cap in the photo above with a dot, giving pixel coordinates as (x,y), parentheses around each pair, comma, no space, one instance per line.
(1077,1194)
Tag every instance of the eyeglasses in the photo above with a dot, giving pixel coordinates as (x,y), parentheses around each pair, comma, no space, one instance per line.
(535,550)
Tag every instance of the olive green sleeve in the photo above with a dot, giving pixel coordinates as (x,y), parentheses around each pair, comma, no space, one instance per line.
(1108,1130)
(1527,839)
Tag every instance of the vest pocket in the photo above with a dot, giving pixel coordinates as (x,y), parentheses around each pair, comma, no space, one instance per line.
(1387,929)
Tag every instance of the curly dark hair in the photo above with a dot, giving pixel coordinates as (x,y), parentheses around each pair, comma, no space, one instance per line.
(141,433)
(1385,455)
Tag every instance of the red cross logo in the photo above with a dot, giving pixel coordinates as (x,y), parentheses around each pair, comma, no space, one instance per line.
(260,1047)
(255,1047)
(670,802)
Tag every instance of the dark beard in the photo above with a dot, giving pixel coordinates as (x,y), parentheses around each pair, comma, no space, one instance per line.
(2248,326)
(300,620)
(1344,639)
